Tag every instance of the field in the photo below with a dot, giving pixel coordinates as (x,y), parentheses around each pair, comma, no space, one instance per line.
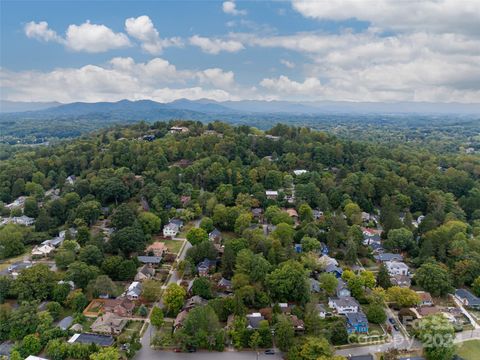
(469,350)
(173,246)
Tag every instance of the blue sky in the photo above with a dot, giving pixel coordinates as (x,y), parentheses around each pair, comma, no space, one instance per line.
(372,50)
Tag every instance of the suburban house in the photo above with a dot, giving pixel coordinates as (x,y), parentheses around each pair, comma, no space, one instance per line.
(356,322)
(344,305)
(157,248)
(215,235)
(109,323)
(271,194)
(326,260)
(18,203)
(134,291)
(298,248)
(467,298)
(292,213)
(383,257)
(396,268)
(300,172)
(425,298)
(257,213)
(342,289)
(71,179)
(150,260)
(23,220)
(120,306)
(65,323)
(334,269)
(253,320)
(179,130)
(298,324)
(172,228)
(322,312)
(205,266)
(144,273)
(317,214)
(401,280)
(42,250)
(195,301)
(224,285)
(100,340)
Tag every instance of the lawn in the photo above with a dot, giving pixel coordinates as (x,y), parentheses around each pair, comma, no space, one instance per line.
(173,246)
(469,350)
(5,263)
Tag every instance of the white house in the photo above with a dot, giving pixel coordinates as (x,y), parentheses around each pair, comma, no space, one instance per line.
(396,268)
(42,250)
(134,290)
(18,203)
(326,261)
(271,194)
(172,228)
(300,172)
(23,220)
(344,305)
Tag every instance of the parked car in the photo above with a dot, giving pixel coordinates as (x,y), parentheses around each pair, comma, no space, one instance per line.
(269,352)
(396,327)
(391,321)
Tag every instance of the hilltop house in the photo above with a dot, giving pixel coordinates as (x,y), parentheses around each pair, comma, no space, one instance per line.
(42,250)
(401,280)
(215,235)
(425,298)
(150,260)
(342,289)
(205,266)
(100,340)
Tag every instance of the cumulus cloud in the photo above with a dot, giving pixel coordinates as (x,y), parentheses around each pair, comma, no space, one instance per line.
(41,31)
(142,29)
(284,85)
(215,46)
(229,7)
(86,37)
(121,78)
(425,15)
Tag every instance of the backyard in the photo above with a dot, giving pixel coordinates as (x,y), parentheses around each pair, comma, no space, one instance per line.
(173,246)
(469,350)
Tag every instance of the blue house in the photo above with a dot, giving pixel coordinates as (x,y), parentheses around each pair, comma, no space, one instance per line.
(356,322)
(334,269)
(298,248)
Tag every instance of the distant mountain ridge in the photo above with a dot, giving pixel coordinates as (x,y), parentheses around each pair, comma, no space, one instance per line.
(149,109)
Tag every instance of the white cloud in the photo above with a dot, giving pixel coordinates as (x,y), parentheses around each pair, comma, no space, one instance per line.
(142,29)
(229,7)
(215,46)
(288,64)
(41,31)
(94,38)
(121,78)
(283,85)
(425,15)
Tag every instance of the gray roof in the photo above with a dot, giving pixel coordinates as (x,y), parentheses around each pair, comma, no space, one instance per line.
(65,323)
(333,268)
(215,233)
(345,301)
(102,340)
(388,257)
(356,317)
(314,285)
(465,294)
(6,347)
(177,222)
(254,320)
(149,259)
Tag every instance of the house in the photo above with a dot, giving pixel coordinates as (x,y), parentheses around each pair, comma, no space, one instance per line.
(225,285)
(298,324)
(428,310)
(342,289)
(292,213)
(71,179)
(365,216)
(23,220)
(271,194)
(144,273)
(205,266)
(184,199)
(467,298)
(396,268)
(425,298)
(272,137)
(157,248)
(314,285)
(16,268)
(383,257)
(65,323)
(6,348)
(326,260)
(109,323)
(253,320)
(333,269)
(172,228)
(69,282)
(195,301)
(33,357)
(179,130)
(356,322)
(150,260)
(84,338)
(285,308)
(134,291)
(322,312)
(76,327)
(42,250)
(317,214)
(344,305)
(215,235)
(299,172)
(18,203)
(182,315)
(120,306)
(257,213)
(401,280)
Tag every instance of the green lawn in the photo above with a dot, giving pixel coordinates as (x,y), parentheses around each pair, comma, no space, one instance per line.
(173,246)
(469,350)
(7,262)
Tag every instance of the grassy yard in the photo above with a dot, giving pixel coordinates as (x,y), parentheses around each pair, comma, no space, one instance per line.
(162,337)
(173,246)
(469,350)
(4,264)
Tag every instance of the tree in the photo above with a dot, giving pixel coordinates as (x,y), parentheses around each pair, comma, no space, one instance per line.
(23,321)
(207,224)
(102,285)
(123,216)
(475,286)
(91,255)
(243,222)
(255,340)
(376,314)
(434,278)
(305,212)
(127,270)
(11,242)
(403,297)
(35,283)
(156,317)
(151,290)
(54,308)
(128,240)
(368,279)
(108,353)
(310,244)
(329,283)
(353,213)
(284,233)
(30,207)
(196,236)
(316,348)
(150,223)
(399,239)
(81,273)
(174,297)
(89,211)
(288,283)
(437,335)
(284,333)
(76,300)
(30,345)
(60,292)
(6,286)
(63,258)
(111,265)
(351,252)
(383,277)
(202,287)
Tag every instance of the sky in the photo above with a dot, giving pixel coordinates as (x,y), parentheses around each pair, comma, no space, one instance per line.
(299,50)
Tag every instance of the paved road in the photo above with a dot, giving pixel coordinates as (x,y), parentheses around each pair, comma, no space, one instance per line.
(229,355)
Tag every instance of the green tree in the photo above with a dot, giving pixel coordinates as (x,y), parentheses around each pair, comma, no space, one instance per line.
(434,278)
(207,224)
(316,348)
(156,317)
(254,340)
(284,333)
(403,297)
(150,223)
(11,242)
(35,283)
(475,286)
(151,290)
(288,283)
(30,345)
(202,287)
(128,240)
(197,235)
(437,335)
(76,300)
(242,222)
(54,308)
(31,207)
(89,211)
(81,273)
(91,255)
(102,285)
(63,258)
(383,277)
(310,244)
(123,216)
(305,213)
(174,297)
(399,239)
(376,314)
(108,353)
(329,283)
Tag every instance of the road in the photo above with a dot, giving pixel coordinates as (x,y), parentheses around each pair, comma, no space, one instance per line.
(204,355)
